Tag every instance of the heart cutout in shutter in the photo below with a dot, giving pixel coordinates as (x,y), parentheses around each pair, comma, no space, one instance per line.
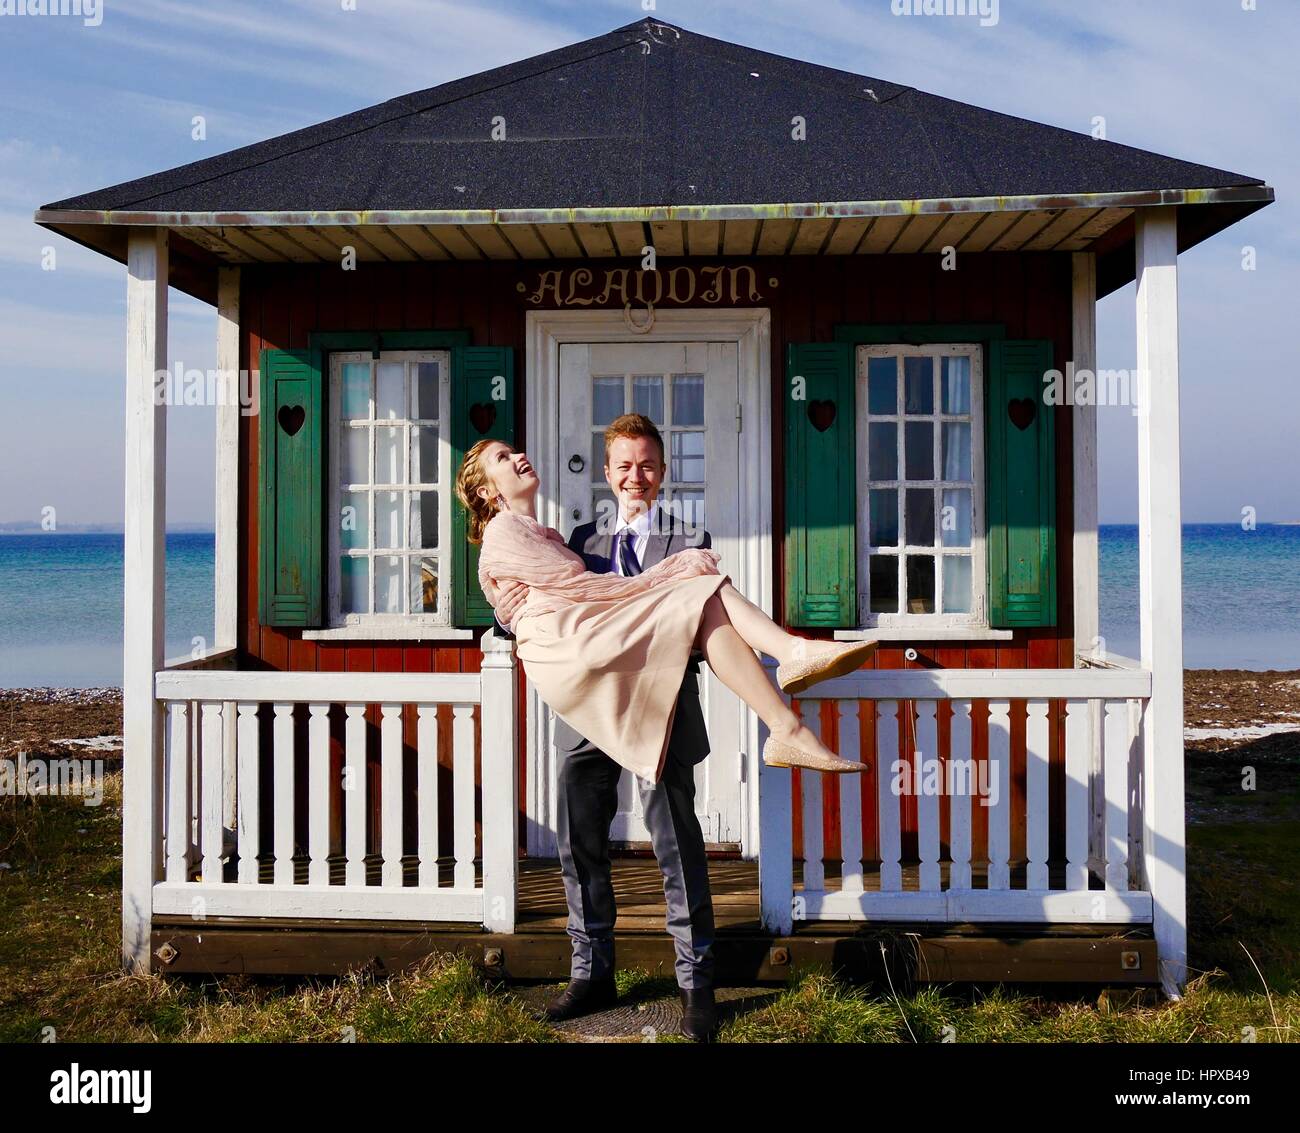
(821,414)
(481,416)
(1022,411)
(291,418)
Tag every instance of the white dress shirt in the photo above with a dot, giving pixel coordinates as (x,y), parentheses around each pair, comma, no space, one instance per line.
(641,525)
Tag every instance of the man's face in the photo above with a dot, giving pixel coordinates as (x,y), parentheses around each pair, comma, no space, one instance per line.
(635,471)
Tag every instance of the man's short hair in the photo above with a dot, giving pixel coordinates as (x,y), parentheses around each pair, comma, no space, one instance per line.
(633,425)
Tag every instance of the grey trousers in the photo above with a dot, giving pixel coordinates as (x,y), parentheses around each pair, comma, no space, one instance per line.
(587,800)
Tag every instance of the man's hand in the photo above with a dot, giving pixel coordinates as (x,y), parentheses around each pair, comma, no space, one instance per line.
(510,597)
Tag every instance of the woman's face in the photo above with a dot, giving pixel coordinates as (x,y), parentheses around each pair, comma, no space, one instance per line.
(509,473)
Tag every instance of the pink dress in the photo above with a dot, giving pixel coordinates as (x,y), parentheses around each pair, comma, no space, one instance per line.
(607,653)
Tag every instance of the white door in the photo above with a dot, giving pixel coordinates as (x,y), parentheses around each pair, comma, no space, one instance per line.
(691,391)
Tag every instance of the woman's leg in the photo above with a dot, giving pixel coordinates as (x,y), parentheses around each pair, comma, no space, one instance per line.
(762,633)
(731,658)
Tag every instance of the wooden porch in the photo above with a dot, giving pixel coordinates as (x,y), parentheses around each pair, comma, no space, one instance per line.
(905,953)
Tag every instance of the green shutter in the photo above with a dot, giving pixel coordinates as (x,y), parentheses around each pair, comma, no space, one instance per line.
(1021,479)
(820,485)
(482,405)
(292,480)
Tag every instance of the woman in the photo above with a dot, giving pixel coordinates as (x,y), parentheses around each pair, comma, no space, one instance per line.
(608,652)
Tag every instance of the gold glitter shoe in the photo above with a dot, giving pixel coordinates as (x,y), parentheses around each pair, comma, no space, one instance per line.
(777,754)
(795,676)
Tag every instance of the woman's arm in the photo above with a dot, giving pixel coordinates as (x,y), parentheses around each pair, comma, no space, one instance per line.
(519,549)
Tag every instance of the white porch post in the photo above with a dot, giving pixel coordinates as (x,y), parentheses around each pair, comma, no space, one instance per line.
(499,737)
(1084,422)
(1087,590)
(225,631)
(1161,586)
(227,470)
(775,839)
(143,569)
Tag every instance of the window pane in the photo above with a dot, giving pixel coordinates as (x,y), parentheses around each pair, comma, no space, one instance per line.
(882,385)
(388,584)
(955,518)
(355,401)
(884,584)
(920,584)
(356,588)
(920,517)
(606,400)
(882,451)
(388,454)
(390,390)
(956,385)
(425,391)
(689,505)
(918,385)
(956,584)
(424,519)
(956,450)
(354,520)
(388,520)
(648,397)
(918,450)
(424,586)
(598,457)
(424,454)
(356,457)
(882,530)
(688,399)
(687,457)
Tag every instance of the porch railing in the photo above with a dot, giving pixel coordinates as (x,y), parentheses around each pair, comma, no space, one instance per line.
(337,746)
(1089,779)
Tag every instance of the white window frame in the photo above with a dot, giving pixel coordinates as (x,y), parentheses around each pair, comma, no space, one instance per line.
(408,625)
(959,624)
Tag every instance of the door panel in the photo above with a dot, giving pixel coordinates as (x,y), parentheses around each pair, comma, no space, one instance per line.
(691,391)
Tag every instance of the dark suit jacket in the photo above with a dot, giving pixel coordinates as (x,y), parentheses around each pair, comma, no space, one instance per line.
(689,740)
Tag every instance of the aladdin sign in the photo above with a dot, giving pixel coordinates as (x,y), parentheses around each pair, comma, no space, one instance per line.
(582,287)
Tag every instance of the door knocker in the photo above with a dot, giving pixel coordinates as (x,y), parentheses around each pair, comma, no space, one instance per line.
(576,463)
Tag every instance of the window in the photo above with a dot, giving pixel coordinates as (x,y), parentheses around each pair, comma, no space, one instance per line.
(675,403)
(389,488)
(920,520)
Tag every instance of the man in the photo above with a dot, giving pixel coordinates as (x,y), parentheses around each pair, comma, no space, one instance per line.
(642,534)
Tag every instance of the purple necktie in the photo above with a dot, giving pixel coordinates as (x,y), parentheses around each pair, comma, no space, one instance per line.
(625,553)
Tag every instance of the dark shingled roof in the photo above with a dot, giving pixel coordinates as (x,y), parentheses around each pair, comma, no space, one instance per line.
(651,114)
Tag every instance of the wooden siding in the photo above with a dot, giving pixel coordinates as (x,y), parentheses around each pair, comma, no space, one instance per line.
(1029,292)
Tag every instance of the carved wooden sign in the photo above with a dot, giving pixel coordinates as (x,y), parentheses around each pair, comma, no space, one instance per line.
(628,287)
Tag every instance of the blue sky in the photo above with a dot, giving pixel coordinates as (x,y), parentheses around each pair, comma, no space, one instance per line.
(90,106)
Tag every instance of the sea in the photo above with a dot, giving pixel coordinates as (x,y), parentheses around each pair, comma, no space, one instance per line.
(61,601)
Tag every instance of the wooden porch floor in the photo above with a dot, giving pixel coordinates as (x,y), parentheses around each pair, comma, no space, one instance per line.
(745,953)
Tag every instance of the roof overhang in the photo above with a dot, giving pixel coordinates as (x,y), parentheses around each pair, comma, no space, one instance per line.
(1098,222)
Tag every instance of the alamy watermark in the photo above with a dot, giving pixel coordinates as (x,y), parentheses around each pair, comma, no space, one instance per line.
(1097,387)
(30,777)
(182,386)
(985,10)
(90,11)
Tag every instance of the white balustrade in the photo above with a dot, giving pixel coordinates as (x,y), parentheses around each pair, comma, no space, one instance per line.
(371,871)
(1055,876)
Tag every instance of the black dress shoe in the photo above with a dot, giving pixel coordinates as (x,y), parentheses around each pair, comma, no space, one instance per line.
(582,997)
(699,1014)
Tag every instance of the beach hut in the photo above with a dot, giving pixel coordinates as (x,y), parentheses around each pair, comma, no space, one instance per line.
(843,301)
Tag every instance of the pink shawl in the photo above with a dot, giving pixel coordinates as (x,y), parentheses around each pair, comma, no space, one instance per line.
(517,548)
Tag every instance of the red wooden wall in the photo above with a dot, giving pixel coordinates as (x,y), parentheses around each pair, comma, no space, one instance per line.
(1029,292)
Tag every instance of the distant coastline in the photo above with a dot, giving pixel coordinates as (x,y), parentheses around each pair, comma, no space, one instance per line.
(31,527)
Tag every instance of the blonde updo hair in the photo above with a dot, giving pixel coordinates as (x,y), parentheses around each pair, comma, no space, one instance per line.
(469,480)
